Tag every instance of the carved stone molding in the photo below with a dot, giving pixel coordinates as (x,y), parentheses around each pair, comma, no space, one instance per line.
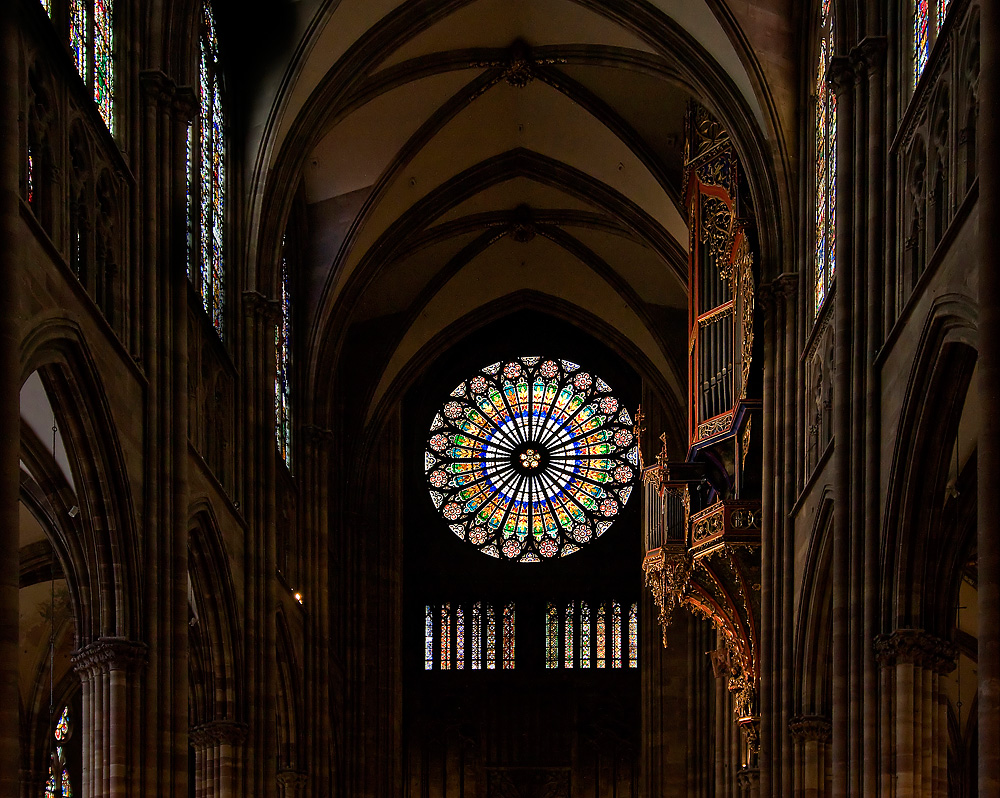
(255,304)
(840,75)
(917,647)
(870,53)
(292,778)
(519,66)
(156,86)
(316,436)
(109,654)
(748,779)
(811,728)
(218,732)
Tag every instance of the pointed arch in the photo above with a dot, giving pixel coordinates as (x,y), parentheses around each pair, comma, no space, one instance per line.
(935,395)
(106,523)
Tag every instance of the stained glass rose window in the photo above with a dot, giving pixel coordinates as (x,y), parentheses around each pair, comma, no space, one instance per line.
(531,458)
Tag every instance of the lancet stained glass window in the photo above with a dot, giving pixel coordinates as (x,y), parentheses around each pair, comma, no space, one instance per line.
(428,638)
(92,42)
(211,177)
(508,636)
(445,637)
(568,637)
(459,638)
(551,636)
(476,637)
(58,784)
(825,262)
(921,37)
(577,635)
(531,458)
(282,378)
(942,12)
(633,636)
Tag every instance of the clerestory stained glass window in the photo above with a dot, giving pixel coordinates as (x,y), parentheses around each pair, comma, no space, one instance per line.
(459,636)
(530,458)
(921,37)
(282,378)
(584,635)
(58,784)
(825,154)
(92,42)
(210,180)
(616,635)
(568,637)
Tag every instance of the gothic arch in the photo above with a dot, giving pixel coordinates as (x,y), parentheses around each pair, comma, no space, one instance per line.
(935,393)
(813,627)
(57,350)
(217,692)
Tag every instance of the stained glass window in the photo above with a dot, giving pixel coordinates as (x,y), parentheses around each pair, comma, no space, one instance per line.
(921,37)
(616,635)
(47,5)
(584,635)
(633,636)
(30,178)
(601,637)
(58,784)
(531,458)
(79,11)
(568,637)
(428,638)
(459,638)
(282,379)
(211,176)
(551,636)
(491,638)
(104,61)
(508,636)
(476,636)
(92,42)
(942,12)
(825,263)
(445,637)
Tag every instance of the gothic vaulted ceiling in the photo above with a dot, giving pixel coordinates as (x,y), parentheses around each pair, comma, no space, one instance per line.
(444,156)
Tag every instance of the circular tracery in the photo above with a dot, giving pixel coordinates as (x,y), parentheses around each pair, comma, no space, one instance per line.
(531,458)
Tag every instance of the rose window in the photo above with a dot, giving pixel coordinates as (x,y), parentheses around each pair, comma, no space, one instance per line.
(531,458)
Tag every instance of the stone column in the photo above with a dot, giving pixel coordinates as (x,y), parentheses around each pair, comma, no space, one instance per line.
(10,386)
(217,756)
(841,79)
(917,659)
(105,667)
(988,462)
(260,315)
(811,734)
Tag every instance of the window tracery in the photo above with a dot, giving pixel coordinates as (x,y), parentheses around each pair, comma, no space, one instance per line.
(531,458)
(576,635)
(456,638)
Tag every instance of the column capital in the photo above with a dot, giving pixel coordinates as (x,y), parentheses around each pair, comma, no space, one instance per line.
(292,778)
(255,304)
(870,53)
(316,436)
(218,732)
(917,647)
(811,728)
(156,86)
(110,654)
(840,75)
(748,779)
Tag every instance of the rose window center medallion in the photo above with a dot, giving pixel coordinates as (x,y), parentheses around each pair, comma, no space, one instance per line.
(530,458)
